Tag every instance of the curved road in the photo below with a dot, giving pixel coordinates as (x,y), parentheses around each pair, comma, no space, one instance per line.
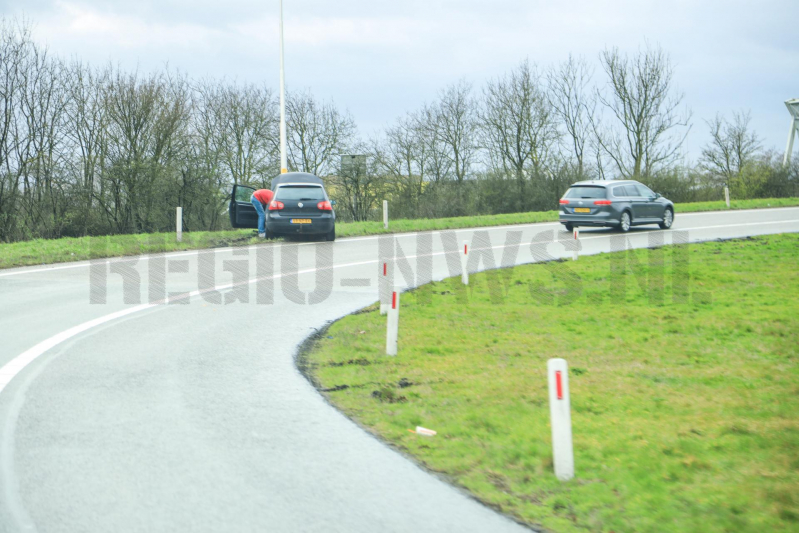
(135,416)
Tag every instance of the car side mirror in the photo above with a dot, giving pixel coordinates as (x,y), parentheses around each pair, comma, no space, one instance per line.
(657,195)
(332,202)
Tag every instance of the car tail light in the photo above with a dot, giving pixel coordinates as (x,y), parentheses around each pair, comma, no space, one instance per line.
(324,206)
(602,202)
(564,201)
(274,205)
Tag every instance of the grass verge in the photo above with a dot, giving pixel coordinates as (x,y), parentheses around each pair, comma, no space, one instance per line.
(685,415)
(46,251)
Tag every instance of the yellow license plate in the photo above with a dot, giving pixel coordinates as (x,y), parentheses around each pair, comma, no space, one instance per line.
(300,220)
(582,210)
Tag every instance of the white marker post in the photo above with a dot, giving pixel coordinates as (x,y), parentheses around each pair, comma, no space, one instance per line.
(727,196)
(576,243)
(560,413)
(385,214)
(392,330)
(465,264)
(383,289)
(179,224)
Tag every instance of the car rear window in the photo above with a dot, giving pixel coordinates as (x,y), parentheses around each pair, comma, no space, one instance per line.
(585,192)
(300,192)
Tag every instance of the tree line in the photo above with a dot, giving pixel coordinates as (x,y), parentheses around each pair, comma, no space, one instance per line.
(88,150)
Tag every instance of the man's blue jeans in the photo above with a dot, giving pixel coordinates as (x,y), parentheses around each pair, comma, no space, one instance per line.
(261,215)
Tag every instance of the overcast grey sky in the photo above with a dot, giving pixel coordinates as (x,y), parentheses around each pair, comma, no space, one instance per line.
(380,59)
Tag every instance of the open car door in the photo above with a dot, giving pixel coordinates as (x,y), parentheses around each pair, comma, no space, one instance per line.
(242,212)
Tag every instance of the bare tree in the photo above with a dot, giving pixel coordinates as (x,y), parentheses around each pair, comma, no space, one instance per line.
(574,104)
(453,123)
(732,146)
(360,184)
(39,149)
(318,133)
(518,125)
(403,156)
(648,125)
(85,133)
(15,45)
(436,151)
(205,167)
(241,125)
(451,135)
(146,119)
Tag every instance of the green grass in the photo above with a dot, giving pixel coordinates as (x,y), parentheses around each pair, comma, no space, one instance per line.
(46,251)
(694,207)
(352,229)
(685,415)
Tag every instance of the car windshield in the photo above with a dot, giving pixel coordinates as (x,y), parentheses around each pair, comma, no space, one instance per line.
(585,192)
(300,192)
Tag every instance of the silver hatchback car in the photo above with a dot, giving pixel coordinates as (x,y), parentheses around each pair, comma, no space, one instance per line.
(618,203)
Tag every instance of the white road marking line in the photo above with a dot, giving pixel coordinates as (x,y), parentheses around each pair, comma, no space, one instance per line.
(554,223)
(633,234)
(84,264)
(16,365)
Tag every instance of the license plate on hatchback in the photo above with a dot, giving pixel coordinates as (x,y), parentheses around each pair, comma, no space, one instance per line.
(300,220)
(582,210)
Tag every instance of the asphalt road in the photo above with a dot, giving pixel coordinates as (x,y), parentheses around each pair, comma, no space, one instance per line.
(193,416)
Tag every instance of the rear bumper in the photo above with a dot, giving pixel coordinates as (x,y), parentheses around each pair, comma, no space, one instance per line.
(279,225)
(602,219)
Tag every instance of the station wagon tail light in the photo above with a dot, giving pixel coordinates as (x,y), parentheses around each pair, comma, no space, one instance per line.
(564,201)
(324,206)
(602,202)
(274,205)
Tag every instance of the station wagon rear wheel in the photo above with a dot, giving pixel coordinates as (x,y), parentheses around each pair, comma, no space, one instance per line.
(625,222)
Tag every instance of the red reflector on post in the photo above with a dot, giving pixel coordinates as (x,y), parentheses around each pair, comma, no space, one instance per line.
(465,249)
(385,269)
(559,384)
(394,300)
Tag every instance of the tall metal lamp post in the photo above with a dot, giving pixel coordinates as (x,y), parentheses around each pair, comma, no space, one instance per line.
(283,156)
(793,109)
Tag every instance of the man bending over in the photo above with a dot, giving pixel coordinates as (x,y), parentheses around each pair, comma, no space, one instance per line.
(260,199)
